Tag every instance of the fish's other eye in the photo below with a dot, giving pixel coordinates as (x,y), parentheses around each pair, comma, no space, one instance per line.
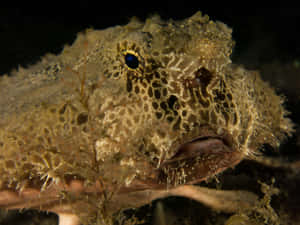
(131,61)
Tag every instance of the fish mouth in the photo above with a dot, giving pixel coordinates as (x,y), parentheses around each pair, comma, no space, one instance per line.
(199,158)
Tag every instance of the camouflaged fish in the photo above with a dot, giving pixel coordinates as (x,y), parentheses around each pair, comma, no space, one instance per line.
(128,114)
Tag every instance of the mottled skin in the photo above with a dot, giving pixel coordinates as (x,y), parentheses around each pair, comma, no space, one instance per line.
(125,113)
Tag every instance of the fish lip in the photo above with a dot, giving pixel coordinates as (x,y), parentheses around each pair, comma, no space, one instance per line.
(199,157)
(197,146)
(205,133)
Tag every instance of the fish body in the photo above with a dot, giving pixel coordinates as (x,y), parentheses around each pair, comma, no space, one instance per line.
(144,106)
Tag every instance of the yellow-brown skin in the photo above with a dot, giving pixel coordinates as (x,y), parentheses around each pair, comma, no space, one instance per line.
(89,123)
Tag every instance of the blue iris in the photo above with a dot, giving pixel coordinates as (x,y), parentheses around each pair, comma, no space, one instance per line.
(131,61)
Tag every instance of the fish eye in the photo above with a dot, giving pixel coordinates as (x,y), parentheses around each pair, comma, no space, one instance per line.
(131,61)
